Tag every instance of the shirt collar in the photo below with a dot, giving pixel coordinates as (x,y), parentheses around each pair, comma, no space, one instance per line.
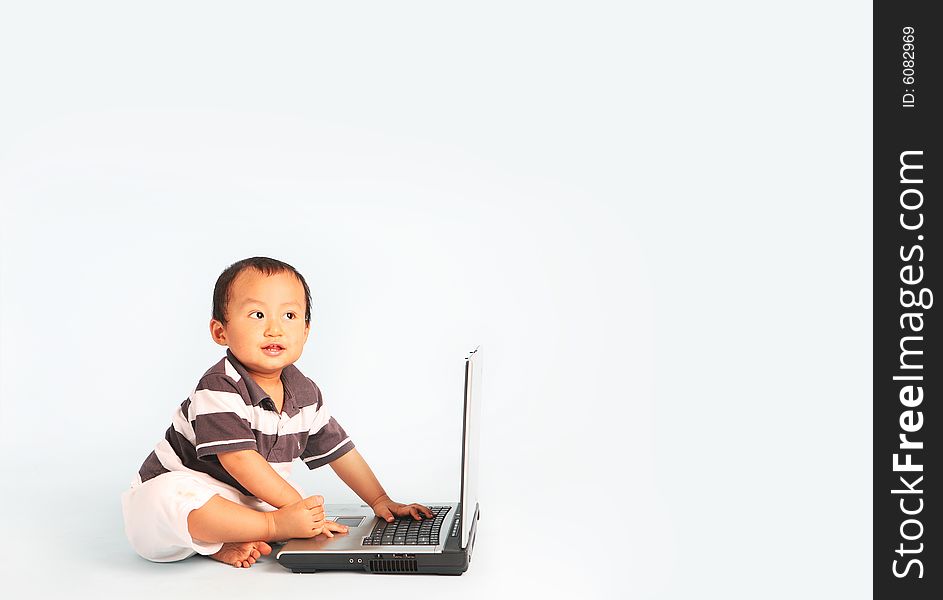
(292,380)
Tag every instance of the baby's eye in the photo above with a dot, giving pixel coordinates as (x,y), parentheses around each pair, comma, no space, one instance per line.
(291,315)
(256,312)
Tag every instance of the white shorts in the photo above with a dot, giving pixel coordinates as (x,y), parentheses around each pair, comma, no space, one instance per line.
(156,511)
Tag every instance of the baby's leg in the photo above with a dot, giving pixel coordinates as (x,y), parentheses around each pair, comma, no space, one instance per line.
(175,515)
(243,530)
(156,511)
(221,520)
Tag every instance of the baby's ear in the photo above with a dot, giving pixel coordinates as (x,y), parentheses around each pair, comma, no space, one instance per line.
(217,332)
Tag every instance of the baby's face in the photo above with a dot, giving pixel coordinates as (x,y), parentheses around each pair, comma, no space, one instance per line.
(264,311)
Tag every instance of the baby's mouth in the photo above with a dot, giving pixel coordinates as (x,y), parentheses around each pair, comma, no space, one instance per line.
(273,349)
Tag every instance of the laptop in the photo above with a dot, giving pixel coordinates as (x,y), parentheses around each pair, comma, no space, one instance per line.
(439,545)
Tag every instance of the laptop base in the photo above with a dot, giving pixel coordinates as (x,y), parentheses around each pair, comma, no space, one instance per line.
(453,560)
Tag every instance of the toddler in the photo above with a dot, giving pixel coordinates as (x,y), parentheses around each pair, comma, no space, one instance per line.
(218,483)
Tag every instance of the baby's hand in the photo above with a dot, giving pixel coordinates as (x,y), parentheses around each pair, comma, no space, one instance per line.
(386,509)
(329,526)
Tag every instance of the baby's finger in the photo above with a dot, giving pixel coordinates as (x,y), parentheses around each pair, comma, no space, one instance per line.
(334,526)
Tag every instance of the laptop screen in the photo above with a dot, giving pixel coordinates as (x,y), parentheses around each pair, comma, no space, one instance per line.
(470,429)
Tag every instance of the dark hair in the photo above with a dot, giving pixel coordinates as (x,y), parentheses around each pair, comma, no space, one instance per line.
(262,264)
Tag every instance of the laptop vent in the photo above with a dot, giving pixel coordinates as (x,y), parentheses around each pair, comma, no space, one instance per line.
(393,566)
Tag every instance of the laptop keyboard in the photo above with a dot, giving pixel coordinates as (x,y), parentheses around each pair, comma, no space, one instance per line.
(408,531)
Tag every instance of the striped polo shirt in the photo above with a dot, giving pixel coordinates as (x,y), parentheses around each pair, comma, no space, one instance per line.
(229,411)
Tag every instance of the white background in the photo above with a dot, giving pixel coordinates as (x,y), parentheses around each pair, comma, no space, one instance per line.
(655,218)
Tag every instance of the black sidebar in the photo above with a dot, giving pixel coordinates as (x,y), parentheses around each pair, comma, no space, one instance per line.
(908,381)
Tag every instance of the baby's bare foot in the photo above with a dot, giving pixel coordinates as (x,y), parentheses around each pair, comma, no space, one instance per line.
(302,519)
(241,554)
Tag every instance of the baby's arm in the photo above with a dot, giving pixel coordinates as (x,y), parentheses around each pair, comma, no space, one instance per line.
(356,473)
(257,475)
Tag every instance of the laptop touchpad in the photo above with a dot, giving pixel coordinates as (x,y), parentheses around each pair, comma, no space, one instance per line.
(349,521)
